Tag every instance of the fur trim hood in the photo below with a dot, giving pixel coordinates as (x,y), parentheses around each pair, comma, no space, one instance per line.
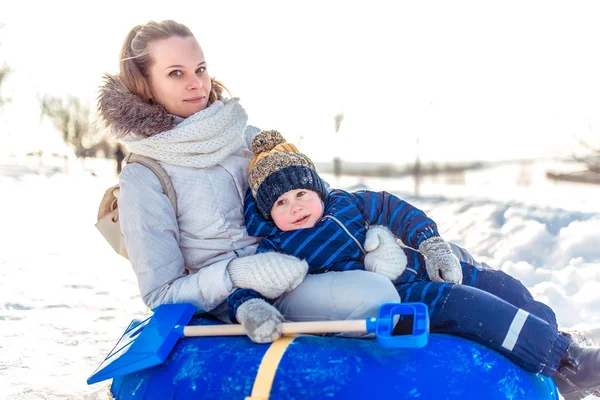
(127,115)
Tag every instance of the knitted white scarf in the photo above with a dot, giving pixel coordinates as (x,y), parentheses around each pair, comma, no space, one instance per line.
(201,140)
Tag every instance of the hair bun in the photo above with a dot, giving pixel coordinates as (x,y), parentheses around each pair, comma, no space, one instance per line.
(265,141)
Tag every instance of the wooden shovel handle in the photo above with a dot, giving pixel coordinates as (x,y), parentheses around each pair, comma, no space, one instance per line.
(358,325)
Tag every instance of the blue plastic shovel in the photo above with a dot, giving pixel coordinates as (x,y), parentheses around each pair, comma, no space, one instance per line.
(148,343)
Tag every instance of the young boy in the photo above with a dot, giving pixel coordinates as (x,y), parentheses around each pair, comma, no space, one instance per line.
(289,206)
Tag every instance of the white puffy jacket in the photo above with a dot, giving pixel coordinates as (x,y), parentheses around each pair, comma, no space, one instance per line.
(207,233)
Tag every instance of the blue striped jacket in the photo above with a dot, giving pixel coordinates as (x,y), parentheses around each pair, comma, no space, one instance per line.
(336,242)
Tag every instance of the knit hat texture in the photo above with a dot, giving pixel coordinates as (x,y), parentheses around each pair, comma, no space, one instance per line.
(277,168)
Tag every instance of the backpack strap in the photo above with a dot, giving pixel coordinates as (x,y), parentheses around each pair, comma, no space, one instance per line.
(159,171)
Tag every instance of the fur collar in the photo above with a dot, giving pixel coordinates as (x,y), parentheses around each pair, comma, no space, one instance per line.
(127,115)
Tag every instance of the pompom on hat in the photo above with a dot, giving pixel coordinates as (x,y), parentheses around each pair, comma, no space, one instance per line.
(277,168)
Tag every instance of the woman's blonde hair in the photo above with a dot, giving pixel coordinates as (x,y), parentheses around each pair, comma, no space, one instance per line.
(135,60)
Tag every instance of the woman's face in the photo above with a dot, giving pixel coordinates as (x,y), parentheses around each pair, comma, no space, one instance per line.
(178,78)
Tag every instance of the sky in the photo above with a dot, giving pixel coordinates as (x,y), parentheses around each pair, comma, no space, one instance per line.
(468,79)
(66,297)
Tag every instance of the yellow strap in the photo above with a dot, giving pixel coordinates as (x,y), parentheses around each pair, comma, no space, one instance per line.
(268,367)
(108,392)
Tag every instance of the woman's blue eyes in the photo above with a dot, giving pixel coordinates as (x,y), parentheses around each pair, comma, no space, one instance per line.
(178,72)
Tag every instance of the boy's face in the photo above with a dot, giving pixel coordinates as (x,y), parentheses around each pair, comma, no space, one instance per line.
(297,209)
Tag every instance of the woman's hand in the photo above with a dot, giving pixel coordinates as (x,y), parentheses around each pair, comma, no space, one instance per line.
(384,255)
(270,274)
(442,265)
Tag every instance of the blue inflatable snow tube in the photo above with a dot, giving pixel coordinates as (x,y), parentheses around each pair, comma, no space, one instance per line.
(318,367)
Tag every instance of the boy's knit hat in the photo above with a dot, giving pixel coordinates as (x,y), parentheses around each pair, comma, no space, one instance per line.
(277,168)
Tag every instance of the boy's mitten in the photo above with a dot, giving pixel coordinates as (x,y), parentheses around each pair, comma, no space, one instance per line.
(270,274)
(261,321)
(442,265)
(384,255)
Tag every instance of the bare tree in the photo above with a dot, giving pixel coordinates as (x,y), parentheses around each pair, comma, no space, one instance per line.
(337,161)
(4,72)
(72,119)
(589,150)
(417,170)
(338,121)
(592,159)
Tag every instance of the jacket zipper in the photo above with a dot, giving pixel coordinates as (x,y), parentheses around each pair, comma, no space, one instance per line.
(337,221)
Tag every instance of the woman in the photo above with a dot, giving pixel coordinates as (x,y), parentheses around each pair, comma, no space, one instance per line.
(164,105)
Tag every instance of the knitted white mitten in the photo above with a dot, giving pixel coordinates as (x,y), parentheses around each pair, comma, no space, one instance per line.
(442,265)
(270,274)
(384,255)
(261,321)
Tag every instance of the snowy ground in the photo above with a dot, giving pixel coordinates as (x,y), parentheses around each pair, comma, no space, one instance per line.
(65,297)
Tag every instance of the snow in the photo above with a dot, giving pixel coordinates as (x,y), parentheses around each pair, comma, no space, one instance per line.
(65,297)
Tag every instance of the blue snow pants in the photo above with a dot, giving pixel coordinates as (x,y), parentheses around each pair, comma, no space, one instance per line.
(491,308)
